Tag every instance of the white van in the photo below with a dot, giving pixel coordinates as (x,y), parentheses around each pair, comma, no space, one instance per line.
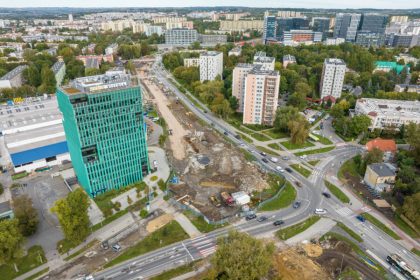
(320,211)
(116,247)
(274,159)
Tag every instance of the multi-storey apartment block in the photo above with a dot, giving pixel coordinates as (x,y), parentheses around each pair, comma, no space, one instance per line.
(332,79)
(211,65)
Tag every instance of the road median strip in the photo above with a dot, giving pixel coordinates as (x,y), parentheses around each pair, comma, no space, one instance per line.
(295,229)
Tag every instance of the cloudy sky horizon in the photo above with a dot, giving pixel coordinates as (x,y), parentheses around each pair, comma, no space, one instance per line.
(331,4)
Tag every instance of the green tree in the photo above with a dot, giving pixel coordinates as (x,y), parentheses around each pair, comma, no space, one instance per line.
(32,75)
(49,83)
(74,69)
(298,100)
(242,257)
(11,240)
(92,71)
(339,109)
(283,116)
(411,209)
(299,130)
(26,214)
(72,215)
(412,136)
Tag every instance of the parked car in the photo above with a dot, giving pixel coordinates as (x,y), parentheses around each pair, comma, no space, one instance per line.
(278,223)
(361,218)
(288,169)
(250,217)
(327,195)
(116,247)
(297,204)
(262,218)
(320,211)
(265,160)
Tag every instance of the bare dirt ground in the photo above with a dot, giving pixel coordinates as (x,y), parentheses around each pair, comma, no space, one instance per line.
(205,162)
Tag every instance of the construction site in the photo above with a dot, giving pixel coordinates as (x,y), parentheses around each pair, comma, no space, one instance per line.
(208,168)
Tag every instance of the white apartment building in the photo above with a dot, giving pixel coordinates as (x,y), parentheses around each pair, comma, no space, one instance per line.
(211,65)
(261,96)
(267,63)
(191,62)
(332,78)
(388,113)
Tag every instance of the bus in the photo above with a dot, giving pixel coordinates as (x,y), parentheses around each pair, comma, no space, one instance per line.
(402,267)
(313,137)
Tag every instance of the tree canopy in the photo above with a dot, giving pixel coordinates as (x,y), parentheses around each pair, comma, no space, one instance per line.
(11,240)
(26,214)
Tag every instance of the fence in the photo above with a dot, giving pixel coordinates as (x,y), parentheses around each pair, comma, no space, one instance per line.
(274,196)
(197,213)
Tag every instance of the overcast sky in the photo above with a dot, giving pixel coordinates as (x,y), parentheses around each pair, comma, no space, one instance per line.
(380,4)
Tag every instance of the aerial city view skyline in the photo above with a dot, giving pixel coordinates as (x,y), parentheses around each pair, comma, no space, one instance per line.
(242,140)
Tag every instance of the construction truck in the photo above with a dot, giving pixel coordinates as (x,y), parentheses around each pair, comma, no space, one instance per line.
(227,199)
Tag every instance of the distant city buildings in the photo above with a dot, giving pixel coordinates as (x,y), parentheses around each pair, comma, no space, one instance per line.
(275,28)
(111,49)
(241,25)
(266,62)
(181,37)
(13,78)
(236,51)
(346,26)
(211,65)
(387,66)
(192,62)
(386,113)
(105,131)
(332,78)
(212,39)
(296,37)
(400,19)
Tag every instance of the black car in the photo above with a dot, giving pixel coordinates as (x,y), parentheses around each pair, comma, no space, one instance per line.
(296,204)
(250,217)
(237,136)
(278,223)
(265,160)
(327,195)
(288,170)
(225,133)
(262,218)
(263,154)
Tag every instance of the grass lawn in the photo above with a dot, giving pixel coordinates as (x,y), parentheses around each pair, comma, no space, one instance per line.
(170,274)
(275,146)
(405,227)
(293,230)
(324,140)
(284,199)
(348,167)
(166,235)
(273,133)
(268,151)
(316,151)
(290,146)
(90,244)
(381,226)
(275,181)
(63,246)
(302,170)
(19,175)
(39,273)
(337,192)
(415,251)
(104,200)
(259,136)
(313,162)
(245,138)
(201,224)
(34,258)
(350,232)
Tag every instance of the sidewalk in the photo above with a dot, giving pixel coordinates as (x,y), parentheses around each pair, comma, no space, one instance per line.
(321,227)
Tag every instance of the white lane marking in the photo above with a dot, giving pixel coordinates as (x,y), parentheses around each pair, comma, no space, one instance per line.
(344,211)
(188,251)
(202,242)
(208,251)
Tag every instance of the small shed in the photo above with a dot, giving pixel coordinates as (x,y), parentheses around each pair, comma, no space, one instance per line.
(241,198)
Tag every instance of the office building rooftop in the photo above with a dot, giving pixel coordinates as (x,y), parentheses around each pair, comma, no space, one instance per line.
(111,80)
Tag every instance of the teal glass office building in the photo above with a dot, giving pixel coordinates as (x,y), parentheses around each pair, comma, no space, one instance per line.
(105,131)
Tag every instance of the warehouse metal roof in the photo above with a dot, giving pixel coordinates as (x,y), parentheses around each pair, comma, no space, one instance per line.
(39,153)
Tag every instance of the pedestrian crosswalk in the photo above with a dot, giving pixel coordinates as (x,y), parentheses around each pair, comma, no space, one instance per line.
(345,211)
(208,251)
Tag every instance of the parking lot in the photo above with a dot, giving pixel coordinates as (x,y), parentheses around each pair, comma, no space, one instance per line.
(44,191)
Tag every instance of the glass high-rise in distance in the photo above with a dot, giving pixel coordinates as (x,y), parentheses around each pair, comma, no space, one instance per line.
(105,131)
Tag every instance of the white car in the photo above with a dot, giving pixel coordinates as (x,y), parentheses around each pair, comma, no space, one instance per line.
(274,159)
(280,169)
(320,211)
(303,156)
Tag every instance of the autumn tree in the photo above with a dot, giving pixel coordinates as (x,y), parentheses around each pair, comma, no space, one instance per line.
(299,130)
(283,116)
(241,257)
(73,216)
(49,83)
(26,214)
(11,240)
(411,209)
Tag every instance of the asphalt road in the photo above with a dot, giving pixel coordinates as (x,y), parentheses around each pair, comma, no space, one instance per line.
(309,194)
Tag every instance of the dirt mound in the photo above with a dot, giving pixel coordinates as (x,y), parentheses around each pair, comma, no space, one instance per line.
(159,222)
(294,266)
(312,250)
